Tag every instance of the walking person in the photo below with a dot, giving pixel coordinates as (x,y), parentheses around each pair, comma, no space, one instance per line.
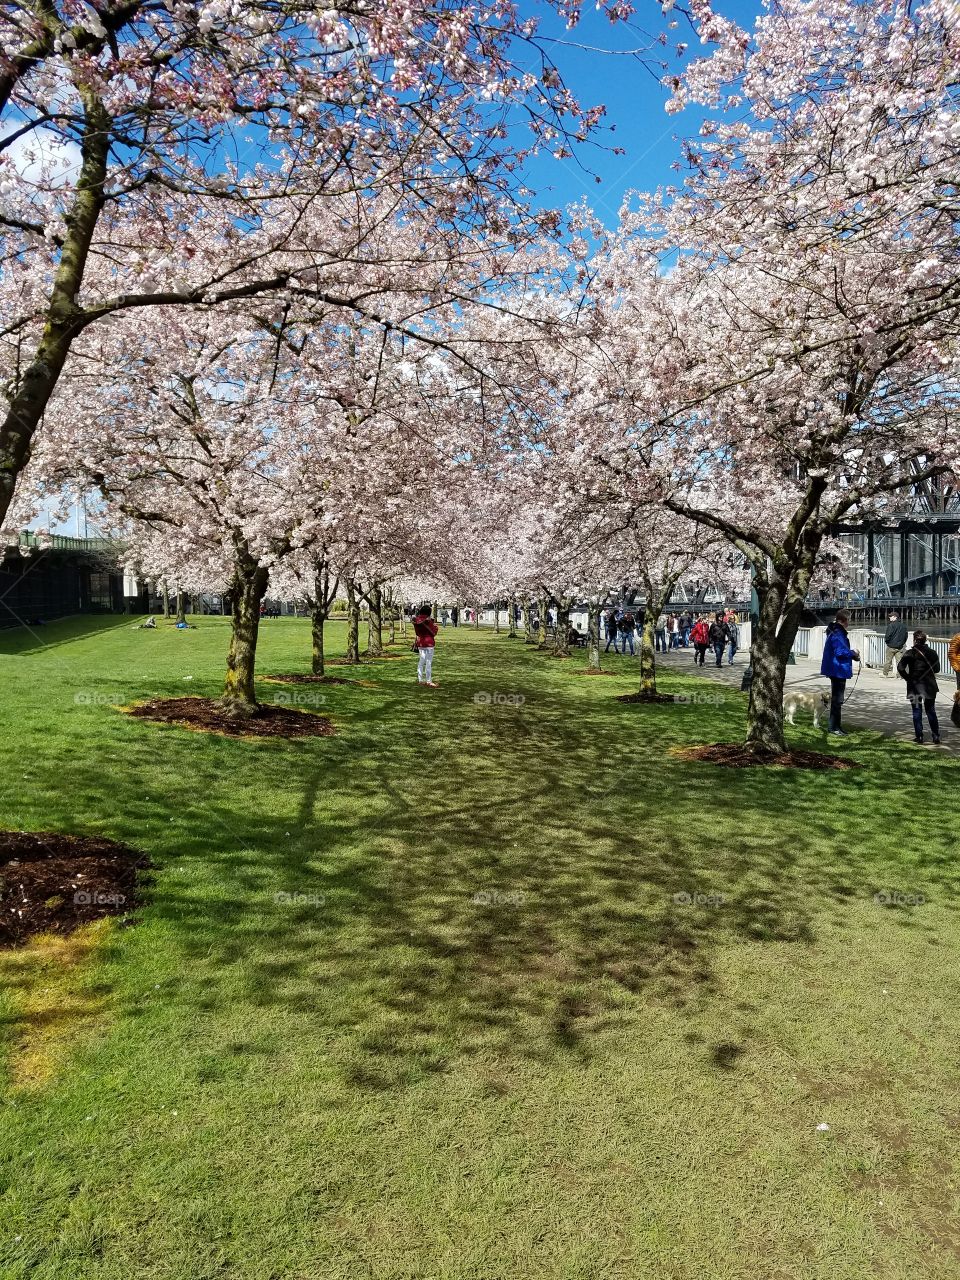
(660,634)
(733,635)
(953,657)
(895,639)
(673,630)
(919,667)
(700,635)
(425,629)
(686,623)
(719,636)
(610,630)
(626,626)
(837,666)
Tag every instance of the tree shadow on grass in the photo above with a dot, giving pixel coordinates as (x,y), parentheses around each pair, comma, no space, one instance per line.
(454,879)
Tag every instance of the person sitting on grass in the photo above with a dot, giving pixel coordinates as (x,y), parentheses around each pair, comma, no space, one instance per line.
(426,630)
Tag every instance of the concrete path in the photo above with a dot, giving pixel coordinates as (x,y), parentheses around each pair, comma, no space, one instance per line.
(875,702)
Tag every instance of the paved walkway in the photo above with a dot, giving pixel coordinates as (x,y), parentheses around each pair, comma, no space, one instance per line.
(875,702)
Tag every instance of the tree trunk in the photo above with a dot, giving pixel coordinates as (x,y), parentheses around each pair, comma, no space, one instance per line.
(64,319)
(375,623)
(476,617)
(542,620)
(529,631)
(768,660)
(166,601)
(247,591)
(181,615)
(648,661)
(512,618)
(496,617)
(392,638)
(561,632)
(353,623)
(318,617)
(593,636)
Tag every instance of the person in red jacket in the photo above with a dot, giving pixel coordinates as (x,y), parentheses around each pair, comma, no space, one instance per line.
(700,635)
(426,631)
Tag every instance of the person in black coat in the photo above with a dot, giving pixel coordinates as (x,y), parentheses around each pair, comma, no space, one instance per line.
(719,637)
(895,638)
(919,667)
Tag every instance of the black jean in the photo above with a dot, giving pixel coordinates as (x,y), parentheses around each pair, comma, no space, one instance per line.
(718,648)
(699,653)
(837,690)
(920,705)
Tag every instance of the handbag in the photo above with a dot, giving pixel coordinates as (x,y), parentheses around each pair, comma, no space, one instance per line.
(955,713)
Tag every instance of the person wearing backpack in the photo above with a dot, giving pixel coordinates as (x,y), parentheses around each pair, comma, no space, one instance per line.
(610,629)
(733,632)
(919,667)
(718,636)
(426,630)
(627,626)
(700,635)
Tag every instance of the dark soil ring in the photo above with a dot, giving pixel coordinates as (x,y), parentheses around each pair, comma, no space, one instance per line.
(299,678)
(734,755)
(206,714)
(54,883)
(646,697)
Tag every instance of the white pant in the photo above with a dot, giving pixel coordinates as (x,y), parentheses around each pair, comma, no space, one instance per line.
(425,666)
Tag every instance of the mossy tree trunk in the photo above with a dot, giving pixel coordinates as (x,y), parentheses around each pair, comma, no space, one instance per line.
(324,593)
(542,621)
(593,636)
(512,618)
(181,615)
(30,393)
(247,589)
(353,622)
(166,601)
(529,630)
(561,632)
(374,599)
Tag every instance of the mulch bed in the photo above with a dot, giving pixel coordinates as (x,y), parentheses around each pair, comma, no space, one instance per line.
(593,671)
(53,883)
(734,755)
(297,678)
(365,661)
(646,697)
(206,714)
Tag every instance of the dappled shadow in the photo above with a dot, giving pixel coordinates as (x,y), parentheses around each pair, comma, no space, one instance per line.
(457,875)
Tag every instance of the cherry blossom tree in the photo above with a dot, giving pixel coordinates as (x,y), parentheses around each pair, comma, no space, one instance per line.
(186,156)
(784,326)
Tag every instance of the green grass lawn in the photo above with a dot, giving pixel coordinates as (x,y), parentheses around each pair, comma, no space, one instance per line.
(429,999)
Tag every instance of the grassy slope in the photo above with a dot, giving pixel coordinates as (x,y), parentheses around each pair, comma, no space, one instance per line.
(578,1077)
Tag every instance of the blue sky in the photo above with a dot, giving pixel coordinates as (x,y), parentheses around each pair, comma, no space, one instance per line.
(635,107)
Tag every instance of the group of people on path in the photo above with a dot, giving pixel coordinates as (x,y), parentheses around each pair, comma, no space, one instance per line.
(719,634)
(918,666)
(621,624)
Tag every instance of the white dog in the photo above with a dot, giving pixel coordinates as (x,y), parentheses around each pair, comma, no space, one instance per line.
(795,700)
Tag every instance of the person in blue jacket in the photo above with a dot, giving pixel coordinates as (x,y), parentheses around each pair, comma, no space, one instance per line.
(837,665)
